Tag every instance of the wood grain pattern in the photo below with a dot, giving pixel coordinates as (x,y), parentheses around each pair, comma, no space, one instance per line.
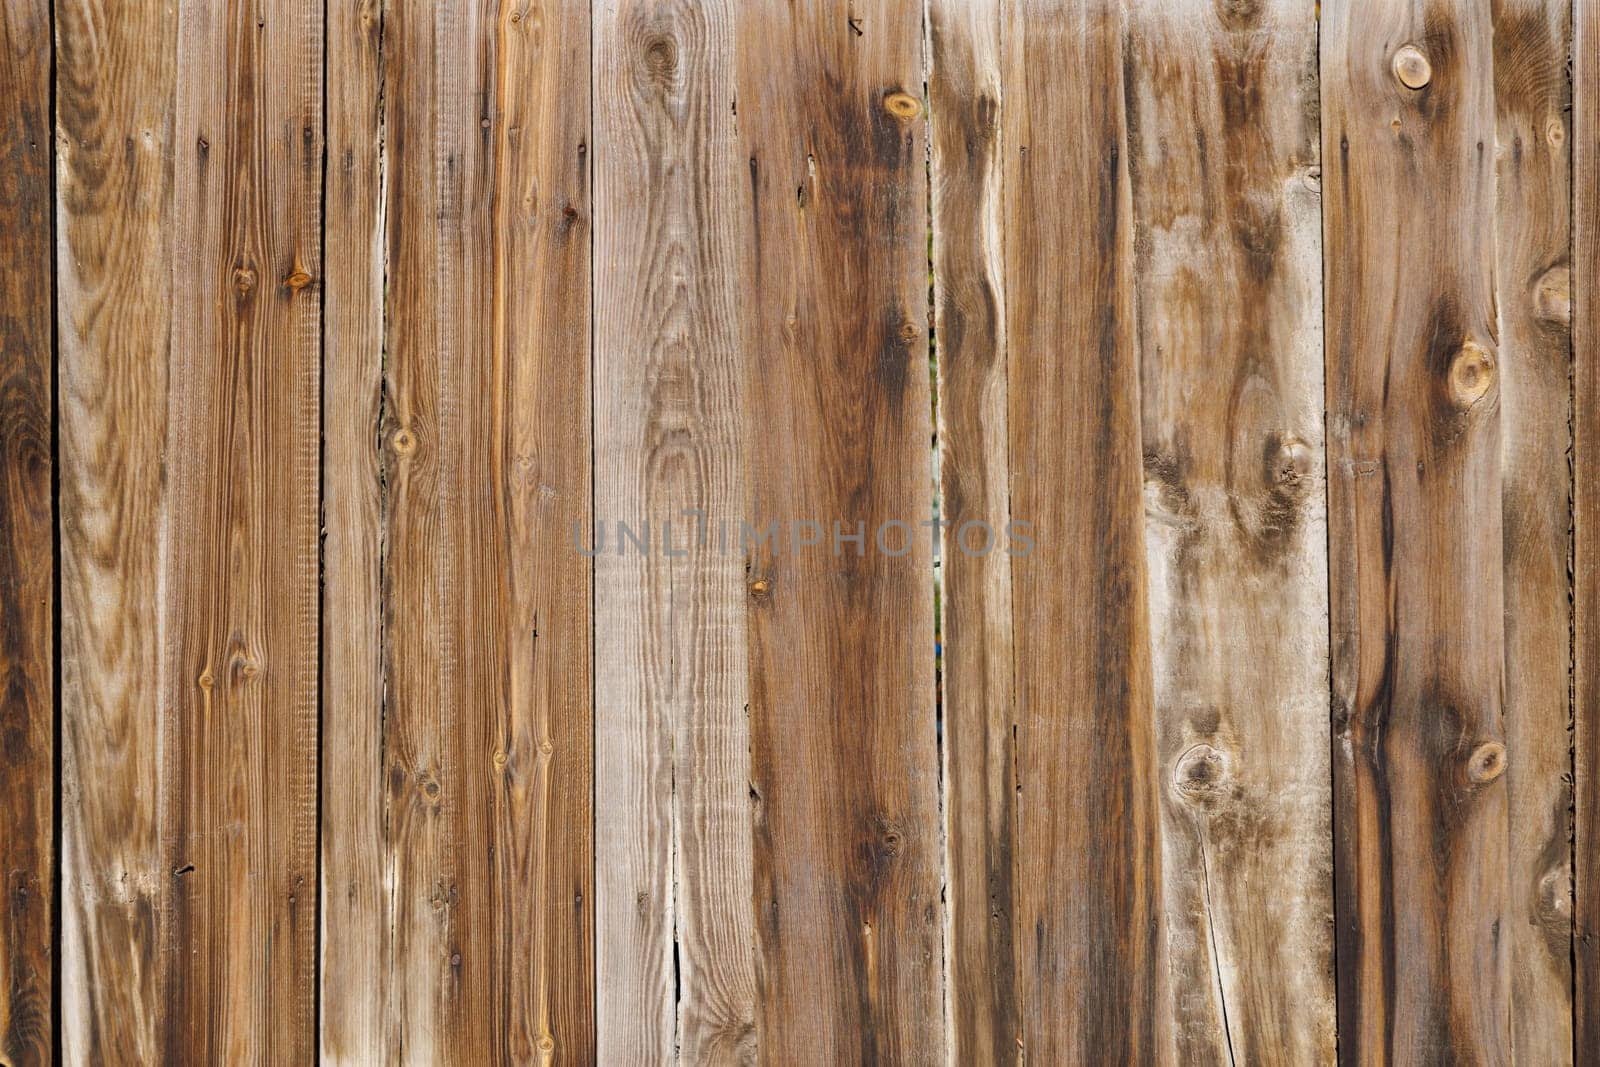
(1415,521)
(27,543)
(1088,872)
(966,162)
(1532,270)
(1586,528)
(843,749)
(355,897)
(115,84)
(676,938)
(1223,153)
(487,724)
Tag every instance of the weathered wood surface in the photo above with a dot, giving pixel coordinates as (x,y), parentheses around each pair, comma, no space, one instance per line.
(485,436)
(966,214)
(1223,153)
(676,963)
(27,542)
(1088,871)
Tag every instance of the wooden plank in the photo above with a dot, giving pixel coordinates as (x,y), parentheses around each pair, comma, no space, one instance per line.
(975,629)
(239,538)
(1415,521)
(116,75)
(1088,872)
(843,748)
(676,929)
(355,891)
(1586,527)
(1532,229)
(27,541)
(1225,168)
(487,727)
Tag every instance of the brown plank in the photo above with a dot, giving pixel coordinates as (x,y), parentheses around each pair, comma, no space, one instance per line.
(239,642)
(964,103)
(27,542)
(1532,229)
(1415,525)
(1088,871)
(355,902)
(676,929)
(843,748)
(1223,150)
(116,72)
(487,725)
(1586,526)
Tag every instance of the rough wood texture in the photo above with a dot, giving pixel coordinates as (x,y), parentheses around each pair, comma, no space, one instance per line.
(116,77)
(844,760)
(355,889)
(487,725)
(1585,293)
(1088,872)
(975,632)
(1415,520)
(1224,159)
(1532,230)
(27,544)
(676,949)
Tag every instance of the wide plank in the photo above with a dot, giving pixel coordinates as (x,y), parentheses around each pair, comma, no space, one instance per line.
(1415,531)
(27,540)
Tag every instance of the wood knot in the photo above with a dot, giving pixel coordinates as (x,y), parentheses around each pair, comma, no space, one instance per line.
(902,105)
(760,588)
(244,279)
(1412,67)
(298,278)
(1555,131)
(1487,762)
(404,443)
(1552,295)
(1199,774)
(1471,375)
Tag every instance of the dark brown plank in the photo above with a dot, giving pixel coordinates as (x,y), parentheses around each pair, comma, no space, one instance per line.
(1088,869)
(1415,520)
(843,749)
(27,543)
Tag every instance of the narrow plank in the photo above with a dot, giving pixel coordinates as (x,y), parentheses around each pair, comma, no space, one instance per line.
(676,932)
(27,541)
(487,725)
(239,539)
(1415,536)
(116,74)
(1088,872)
(355,899)
(964,104)
(1532,269)
(1224,159)
(1586,527)
(843,748)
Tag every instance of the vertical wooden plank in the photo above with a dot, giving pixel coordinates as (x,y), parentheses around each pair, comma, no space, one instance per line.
(676,944)
(1415,526)
(975,634)
(487,726)
(1224,159)
(1532,269)
(27,542)
(1088,871)
(239,536)
(115,83)
(1586,526)
(842,719)
(355,890)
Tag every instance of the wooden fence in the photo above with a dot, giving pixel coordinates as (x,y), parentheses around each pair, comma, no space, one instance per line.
(469,588)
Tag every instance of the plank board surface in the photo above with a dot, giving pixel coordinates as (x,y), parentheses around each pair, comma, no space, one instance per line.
(1415,519)
(486,725)
(1223,154)
(1088,872)
(27,544)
